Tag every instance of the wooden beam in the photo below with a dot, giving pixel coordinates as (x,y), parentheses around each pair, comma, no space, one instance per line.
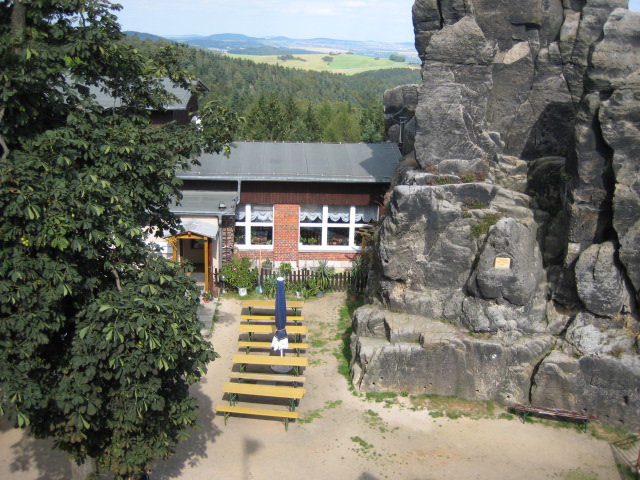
(206,265)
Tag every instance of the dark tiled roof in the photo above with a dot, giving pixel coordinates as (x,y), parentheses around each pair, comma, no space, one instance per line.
(300,162)
(182,94)
(205,202)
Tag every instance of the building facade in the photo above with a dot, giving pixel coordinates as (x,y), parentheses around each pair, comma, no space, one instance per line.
(286,202)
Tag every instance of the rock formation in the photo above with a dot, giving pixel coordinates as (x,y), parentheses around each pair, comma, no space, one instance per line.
(507,266)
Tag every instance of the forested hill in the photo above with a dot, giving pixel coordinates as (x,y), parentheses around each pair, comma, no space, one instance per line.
(310,99)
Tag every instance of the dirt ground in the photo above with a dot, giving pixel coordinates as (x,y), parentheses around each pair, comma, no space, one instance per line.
(341,435)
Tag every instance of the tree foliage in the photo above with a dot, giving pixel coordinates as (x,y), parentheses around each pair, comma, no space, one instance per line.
(243,86)
(99,336)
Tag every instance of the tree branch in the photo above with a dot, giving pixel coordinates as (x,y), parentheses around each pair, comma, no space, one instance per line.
(5,149)
(118,284)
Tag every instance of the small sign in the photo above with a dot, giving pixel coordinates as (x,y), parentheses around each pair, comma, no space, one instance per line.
(502,262)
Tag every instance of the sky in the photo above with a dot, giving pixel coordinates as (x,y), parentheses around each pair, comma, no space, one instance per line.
(382,20)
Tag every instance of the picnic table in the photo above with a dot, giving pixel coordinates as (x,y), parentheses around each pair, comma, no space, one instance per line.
(250,328)
(248,359)
(234,389)
(271,304)
(296,319)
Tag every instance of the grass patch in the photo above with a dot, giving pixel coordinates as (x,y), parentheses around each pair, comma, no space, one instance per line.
(344,330)
(484,224)
(452,407)
(312,415)
(380,397)
(506,416)
(473,204)
(578,474)
(363,444)
(611,434)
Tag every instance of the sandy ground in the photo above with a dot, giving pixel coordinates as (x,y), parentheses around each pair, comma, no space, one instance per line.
(397,443)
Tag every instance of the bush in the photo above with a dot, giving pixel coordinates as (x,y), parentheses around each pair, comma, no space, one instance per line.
(324,274)
(239,273)
(285,269)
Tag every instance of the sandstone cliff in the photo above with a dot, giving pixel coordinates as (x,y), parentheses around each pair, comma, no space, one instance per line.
(507,265)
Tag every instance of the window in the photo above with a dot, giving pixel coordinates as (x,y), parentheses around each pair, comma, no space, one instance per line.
(334,226)
(254,226)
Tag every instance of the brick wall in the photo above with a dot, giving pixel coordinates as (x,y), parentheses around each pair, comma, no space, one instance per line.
(285,241)
(285,232)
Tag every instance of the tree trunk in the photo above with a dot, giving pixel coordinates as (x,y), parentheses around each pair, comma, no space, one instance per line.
(18,17)
(84,470)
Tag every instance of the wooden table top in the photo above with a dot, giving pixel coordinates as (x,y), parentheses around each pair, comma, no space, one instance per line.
(271,360)
(270,304)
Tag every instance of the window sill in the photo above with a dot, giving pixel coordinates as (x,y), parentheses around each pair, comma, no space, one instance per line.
(328,248)
(253,247)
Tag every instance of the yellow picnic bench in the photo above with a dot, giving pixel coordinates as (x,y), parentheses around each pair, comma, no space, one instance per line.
(245,359)
(251,328)
(267,377)
(285,415)
(250,304)
(293,394)
(270,318)
(247,345)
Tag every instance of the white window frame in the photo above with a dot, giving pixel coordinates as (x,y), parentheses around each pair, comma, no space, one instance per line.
(325,225)
(247,224)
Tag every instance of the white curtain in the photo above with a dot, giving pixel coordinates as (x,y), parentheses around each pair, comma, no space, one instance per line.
(262,213)
(259,213)
(339,213)
(366,214)
(310,213)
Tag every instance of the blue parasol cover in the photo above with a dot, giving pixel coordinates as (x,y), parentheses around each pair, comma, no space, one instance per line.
(281,310)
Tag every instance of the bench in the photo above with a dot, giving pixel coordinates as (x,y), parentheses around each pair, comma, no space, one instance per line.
(285,415)
(252,328)
(270,318)
(553,412)
(267,377)
(292,393)
(292,346)
(295,362)
(250,304)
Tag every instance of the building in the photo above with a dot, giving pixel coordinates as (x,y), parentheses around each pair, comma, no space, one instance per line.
(288,202)
(181,110)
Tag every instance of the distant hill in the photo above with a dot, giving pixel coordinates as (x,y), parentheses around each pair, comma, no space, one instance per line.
(144,36)
(242,44)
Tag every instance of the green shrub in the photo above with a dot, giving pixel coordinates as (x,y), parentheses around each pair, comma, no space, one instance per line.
(239,273)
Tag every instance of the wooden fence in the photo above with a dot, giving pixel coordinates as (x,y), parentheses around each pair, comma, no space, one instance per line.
(338,281)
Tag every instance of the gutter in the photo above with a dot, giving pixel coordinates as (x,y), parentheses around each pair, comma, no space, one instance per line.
(274,178)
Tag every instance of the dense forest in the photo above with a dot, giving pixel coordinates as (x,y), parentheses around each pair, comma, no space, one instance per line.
(287,104)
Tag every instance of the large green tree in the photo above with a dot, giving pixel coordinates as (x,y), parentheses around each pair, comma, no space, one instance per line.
(99,336)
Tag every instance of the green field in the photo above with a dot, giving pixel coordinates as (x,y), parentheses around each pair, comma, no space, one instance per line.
(343,63)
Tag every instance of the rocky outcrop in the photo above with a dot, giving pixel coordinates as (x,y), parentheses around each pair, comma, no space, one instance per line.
(399,352)
(605,386)
(510,255)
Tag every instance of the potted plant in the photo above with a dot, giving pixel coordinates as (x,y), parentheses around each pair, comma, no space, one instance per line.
(207,297)
(239,274)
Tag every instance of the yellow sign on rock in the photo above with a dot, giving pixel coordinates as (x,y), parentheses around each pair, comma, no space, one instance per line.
(502,262)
